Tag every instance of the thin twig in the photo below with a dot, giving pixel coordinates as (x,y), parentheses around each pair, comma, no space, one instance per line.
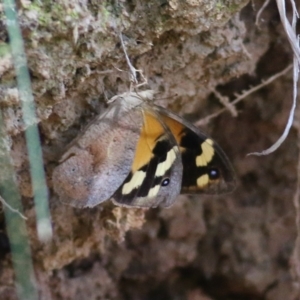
(244,95)
(132,69)
(225,101)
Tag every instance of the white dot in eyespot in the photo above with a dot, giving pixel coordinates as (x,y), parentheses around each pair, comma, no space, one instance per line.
(214,173)
(165,182)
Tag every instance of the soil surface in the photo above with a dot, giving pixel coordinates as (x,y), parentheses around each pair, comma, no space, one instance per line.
(198,56)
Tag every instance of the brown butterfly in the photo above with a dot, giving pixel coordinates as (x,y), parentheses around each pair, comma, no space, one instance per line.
(142,155)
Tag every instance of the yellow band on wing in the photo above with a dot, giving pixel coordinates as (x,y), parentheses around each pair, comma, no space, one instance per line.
(207,154)
(202,181)
(135,182)
(167,164)
(153,191)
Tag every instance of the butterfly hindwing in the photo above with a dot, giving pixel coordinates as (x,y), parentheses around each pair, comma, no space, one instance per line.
(156,172)
(206,168)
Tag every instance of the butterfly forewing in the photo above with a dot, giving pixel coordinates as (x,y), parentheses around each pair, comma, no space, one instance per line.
(99,159)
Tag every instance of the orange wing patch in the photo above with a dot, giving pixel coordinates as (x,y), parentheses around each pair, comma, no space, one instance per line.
(150,133)
(175,127)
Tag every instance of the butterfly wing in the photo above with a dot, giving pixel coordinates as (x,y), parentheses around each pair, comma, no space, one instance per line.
(97,162)
(206,169)
(141,156)
(156,171)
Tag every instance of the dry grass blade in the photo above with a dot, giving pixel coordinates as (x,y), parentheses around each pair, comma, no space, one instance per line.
(15,226)
(290,30)
(37,173)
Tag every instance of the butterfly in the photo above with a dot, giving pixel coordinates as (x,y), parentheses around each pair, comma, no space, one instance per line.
(140,155)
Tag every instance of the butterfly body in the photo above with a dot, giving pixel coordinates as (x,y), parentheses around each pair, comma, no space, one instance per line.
(141,155)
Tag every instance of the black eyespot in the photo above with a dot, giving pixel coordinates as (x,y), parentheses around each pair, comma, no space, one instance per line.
(165,182)
(213,173)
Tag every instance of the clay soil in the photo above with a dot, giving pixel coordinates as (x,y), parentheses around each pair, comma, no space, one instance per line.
(196,55)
